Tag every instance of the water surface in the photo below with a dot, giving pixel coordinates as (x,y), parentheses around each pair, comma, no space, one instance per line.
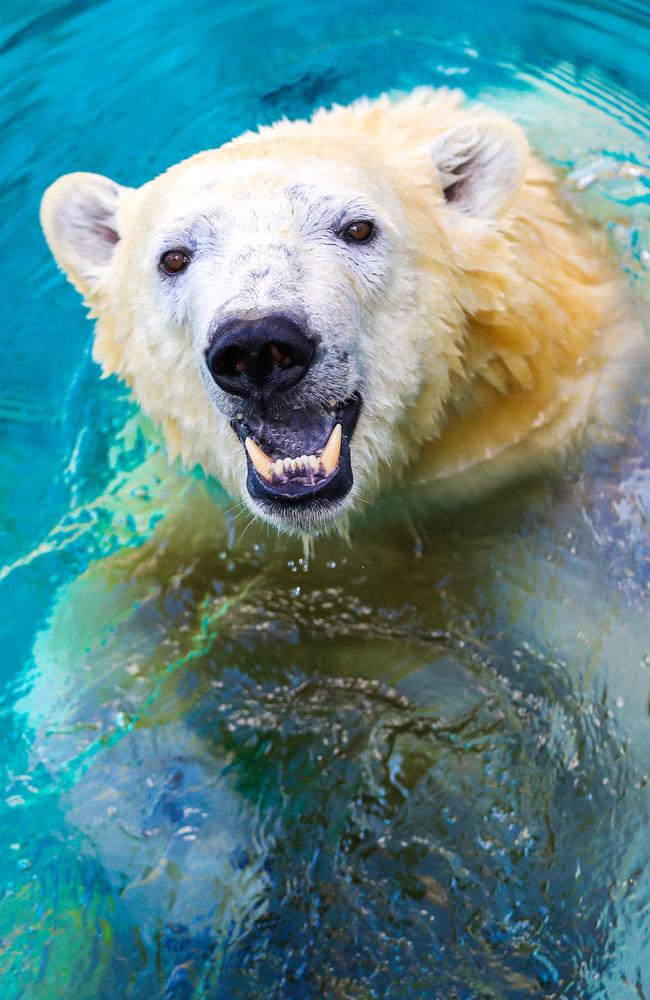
(416,766)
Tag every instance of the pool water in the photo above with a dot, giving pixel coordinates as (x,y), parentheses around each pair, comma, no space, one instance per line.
(413,766)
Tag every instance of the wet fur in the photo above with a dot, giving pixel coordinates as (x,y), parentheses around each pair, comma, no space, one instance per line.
(475,339)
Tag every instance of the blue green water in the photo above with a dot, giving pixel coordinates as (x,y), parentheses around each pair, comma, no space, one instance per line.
(416,766)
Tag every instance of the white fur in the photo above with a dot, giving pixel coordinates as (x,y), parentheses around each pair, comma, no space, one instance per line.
(434,319)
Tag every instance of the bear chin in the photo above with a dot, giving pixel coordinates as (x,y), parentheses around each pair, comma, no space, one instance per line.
(310,517)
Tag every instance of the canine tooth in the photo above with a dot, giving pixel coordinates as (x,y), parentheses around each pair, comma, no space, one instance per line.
(332,450)
(259,458)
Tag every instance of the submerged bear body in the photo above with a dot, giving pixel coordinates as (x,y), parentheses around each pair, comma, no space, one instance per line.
(388,294)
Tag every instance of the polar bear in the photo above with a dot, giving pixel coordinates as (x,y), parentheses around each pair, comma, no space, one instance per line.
(390,293)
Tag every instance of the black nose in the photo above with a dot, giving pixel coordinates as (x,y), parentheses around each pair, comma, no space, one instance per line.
(259,357)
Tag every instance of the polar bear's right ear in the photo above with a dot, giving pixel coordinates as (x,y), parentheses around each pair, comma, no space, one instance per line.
(481,165)
(79,218)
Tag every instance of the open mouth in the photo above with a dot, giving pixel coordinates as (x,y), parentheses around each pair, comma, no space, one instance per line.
(300,456)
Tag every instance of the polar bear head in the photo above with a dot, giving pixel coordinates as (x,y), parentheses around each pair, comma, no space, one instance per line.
(291,307)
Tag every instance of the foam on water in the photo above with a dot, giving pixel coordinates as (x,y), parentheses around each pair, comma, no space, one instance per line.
(414,766)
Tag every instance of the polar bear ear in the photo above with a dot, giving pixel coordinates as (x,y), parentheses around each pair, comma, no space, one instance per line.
(79,219)
(481,165)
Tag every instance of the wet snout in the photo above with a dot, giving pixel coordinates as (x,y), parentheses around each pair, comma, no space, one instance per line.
(259,357)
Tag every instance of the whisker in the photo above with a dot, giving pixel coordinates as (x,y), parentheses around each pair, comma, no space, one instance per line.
(247,527)
(244,510)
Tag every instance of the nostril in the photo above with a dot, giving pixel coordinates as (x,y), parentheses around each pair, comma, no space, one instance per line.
(232,361)
(280,355)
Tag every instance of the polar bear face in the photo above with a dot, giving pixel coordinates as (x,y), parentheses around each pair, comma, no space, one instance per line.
(287,308)
(279,282)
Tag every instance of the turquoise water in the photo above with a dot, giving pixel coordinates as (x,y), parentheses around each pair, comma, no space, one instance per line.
(413,767)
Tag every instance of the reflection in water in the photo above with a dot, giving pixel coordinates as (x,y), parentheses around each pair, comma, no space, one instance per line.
(415,766)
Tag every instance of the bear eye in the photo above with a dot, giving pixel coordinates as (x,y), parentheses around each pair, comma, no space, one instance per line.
(174,261)
(358,231)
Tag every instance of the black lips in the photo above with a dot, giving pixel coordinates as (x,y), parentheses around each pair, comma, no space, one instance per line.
(300,432)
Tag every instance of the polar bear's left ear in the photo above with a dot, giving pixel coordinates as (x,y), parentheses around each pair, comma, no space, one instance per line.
(79,216)
(481,165)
